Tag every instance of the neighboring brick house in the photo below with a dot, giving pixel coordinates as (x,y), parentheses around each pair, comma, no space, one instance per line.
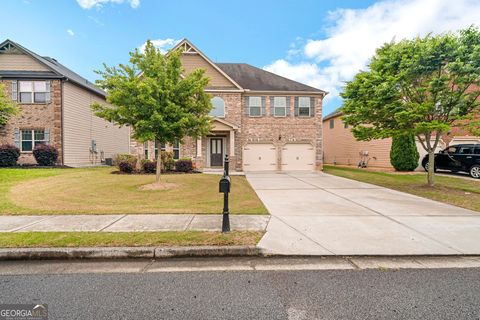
(341,147)
(264,122)
(55,109)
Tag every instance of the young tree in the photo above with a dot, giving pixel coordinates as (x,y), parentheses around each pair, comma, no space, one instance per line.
(421,86)
(155,98)
(8,108)
(403,153)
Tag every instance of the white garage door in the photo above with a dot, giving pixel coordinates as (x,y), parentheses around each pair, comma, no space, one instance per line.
(464,140)
(259,157)
(297,156)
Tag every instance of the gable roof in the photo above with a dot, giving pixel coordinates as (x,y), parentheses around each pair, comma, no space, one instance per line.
(57,69)
(253,78)
(333,114)
(189,48)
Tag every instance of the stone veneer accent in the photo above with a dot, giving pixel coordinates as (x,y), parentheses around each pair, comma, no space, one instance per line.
(36,116)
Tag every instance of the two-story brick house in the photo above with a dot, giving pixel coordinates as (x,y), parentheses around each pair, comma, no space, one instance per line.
(263,121)
(55,109)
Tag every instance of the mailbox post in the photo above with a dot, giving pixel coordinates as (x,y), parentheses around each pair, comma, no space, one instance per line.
(224,187)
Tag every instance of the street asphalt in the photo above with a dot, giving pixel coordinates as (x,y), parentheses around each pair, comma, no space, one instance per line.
(120,293)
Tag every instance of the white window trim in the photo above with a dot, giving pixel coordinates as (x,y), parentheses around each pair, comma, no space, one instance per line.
(254,106)
(284,108)
(33,139)
(19,92)
(303,107)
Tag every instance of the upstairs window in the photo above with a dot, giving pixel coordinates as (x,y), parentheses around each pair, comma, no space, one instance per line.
(218,107)
(304,106)
(255,106)
(279,106)
(332,123)
(34,91)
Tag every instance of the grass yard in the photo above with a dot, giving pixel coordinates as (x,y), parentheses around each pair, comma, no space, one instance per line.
(459,192)
(97,191)
(126,239)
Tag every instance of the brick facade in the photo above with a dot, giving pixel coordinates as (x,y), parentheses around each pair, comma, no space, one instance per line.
(36,116)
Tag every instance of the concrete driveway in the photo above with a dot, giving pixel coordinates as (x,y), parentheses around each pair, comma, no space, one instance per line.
(321,214)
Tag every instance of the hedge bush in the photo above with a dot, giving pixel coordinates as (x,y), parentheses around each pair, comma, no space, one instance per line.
(149,166)
(9,155)
(125,167)
(45,155)
(184,165)
(403,153)
(125,157)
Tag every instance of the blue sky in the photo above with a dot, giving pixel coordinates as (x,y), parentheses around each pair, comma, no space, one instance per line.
(321,43)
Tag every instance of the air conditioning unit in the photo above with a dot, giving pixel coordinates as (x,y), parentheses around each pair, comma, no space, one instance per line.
(109,161)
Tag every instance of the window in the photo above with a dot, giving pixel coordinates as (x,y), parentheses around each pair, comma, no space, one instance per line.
(34,91)
(255,106)
(304,106)
(477,150)
(162,148)
(145,149)
(279,106)
(332,123)
(176,150)
(451,150)
(218,107)
(465,150)
(32,138)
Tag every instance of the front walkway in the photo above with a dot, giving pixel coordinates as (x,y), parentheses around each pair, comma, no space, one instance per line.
(321,214)
(130,223)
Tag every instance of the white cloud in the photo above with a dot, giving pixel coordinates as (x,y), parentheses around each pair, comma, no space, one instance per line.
(162,44)
(70,32)
(354,34)
(89,4)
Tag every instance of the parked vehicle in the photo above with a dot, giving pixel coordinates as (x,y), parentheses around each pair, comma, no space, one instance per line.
(461,157)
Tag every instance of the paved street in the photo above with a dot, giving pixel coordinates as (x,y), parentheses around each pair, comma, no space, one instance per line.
(321,214)
(176,289)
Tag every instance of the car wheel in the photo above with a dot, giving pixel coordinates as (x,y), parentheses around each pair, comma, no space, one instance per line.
(426,167)
(475,171)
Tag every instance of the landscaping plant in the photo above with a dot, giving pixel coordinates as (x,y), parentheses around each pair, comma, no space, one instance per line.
(168,163)
(126,167)
(125,157)
(9,155)
(149,166)
(420,86)
(8,108)
(45,155)
(155,97)
(184,165)
(403,153)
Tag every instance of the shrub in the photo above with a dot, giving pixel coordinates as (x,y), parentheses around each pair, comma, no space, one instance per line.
(184,165)
(45,155)
(126,167)
(149,166)
(403,153)
(9,155)
(167,160)
(125,157)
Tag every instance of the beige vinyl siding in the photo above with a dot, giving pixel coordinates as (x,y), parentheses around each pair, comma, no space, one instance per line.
(81,126)
(20,62)
(191,62)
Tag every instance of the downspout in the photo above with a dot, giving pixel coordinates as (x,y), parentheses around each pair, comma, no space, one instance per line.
(62,120)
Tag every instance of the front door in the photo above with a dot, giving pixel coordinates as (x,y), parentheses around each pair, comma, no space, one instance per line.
(216,152)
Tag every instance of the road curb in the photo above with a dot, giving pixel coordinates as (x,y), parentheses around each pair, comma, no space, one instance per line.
(126,252)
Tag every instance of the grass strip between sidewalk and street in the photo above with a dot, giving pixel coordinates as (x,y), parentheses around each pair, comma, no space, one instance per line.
(127,239)
(463,193)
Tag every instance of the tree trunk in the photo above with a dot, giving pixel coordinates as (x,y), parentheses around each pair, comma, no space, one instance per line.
(159,162)
(431,168)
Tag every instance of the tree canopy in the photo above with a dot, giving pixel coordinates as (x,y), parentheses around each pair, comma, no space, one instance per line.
(8,108)
(154,96)
(420,86)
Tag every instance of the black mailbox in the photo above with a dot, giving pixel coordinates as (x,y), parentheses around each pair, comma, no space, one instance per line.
(224,184)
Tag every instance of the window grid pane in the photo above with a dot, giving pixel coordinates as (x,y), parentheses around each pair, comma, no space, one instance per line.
(304,111)
(39,135)
(26,97)
(255,111)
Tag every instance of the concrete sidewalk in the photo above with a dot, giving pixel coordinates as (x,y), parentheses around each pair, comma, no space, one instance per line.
(321,214)
(131,223)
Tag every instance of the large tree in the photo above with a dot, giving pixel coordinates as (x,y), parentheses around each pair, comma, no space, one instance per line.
(420,86)
(8,108)
(154,96)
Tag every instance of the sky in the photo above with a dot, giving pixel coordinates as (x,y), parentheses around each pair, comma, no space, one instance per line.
(319,43)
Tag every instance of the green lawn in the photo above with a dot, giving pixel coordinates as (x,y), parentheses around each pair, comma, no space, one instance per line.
(98,191)
(459,192)
(126,239)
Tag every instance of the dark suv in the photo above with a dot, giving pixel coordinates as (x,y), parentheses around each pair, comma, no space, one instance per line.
(461,157)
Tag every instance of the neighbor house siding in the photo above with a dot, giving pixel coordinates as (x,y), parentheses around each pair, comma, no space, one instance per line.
(81,126)
(191,62)
(21,62)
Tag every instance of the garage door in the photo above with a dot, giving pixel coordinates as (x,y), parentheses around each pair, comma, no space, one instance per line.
(472,140)
(259,157)
(298,157)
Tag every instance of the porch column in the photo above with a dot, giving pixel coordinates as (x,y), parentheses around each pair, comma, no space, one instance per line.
(199,147)
(232,143)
